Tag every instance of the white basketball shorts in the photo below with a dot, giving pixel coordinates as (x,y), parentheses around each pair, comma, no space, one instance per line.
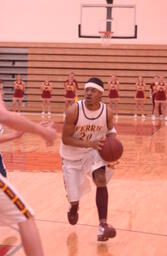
(77,173)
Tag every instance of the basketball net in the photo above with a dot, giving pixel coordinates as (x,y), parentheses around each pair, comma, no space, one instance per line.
(105,37)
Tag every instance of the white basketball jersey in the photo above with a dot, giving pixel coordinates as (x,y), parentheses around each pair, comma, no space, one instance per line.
(90,126)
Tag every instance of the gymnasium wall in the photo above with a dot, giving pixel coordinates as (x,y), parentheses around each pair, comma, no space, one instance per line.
(57,21)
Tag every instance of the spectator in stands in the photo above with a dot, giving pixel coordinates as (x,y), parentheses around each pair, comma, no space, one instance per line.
(140,97)
(153,86)
(113,88)
(160,98)
(18,96)
(46,94)
(70,87)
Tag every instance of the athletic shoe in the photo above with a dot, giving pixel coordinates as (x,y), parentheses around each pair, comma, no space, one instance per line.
(105,232)
(143,116)
(72,216)
(43,113)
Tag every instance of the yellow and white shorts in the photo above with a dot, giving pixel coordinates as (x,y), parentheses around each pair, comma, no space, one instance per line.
(13,209)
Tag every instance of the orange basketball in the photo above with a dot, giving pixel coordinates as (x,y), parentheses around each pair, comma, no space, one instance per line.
(112,149)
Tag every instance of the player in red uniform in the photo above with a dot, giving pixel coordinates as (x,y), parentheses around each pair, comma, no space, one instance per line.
(153,86)
(71,87)
(113,87)
(18,96)
(160,98)
(46,94)
(140,97)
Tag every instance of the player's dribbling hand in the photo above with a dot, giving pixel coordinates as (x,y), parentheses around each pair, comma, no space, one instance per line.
(98,144)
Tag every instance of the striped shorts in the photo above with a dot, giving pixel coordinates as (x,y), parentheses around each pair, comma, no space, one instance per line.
(13,209)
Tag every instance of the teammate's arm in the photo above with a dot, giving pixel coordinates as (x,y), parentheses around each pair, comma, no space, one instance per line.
(10,136)
(20,123)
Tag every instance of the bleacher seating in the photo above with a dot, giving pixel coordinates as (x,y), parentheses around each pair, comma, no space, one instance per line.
(39,61)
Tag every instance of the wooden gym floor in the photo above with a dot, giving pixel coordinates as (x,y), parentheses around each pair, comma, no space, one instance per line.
(137,195)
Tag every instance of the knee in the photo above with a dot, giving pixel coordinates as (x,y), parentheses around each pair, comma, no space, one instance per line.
(100,180)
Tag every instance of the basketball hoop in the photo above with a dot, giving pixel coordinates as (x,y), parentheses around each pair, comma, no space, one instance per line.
(105,37)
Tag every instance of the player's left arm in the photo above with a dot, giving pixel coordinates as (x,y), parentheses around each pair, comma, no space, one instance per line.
(111,129)
(21,123)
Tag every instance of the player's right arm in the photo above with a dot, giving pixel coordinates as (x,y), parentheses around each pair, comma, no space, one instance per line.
(69,129)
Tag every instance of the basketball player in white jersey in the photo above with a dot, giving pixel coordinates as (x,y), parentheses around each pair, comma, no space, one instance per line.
(86,124)
(13,209)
